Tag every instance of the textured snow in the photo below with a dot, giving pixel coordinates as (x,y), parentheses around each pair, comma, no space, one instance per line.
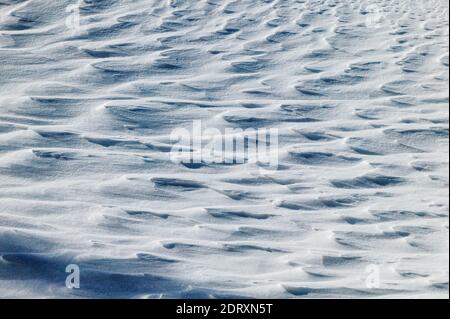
(358,90)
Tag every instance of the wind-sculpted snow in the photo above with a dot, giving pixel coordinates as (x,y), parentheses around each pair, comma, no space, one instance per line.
(358,90)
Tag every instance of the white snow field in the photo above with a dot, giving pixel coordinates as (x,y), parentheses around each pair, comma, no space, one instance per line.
(358,90)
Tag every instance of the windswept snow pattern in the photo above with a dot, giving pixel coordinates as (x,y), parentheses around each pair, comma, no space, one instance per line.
(358,90)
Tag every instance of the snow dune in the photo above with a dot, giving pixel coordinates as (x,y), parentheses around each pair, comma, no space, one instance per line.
(358,90)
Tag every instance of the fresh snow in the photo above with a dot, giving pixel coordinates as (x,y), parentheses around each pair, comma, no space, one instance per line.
(357,89)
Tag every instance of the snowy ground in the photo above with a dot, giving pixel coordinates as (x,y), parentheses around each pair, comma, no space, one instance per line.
(358,91)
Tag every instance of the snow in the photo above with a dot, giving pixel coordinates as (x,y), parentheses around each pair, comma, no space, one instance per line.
(357,89)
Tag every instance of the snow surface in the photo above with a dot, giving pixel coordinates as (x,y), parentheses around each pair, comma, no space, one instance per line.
(358,90)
